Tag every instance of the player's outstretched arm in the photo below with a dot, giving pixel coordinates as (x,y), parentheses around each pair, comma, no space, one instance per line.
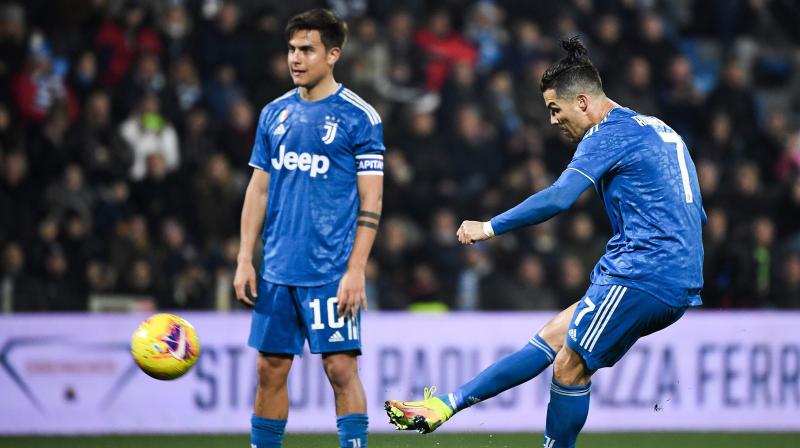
(255,205)
(537,208)
(352,287)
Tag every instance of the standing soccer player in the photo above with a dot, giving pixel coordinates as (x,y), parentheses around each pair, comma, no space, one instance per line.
(651,271)
(315,198)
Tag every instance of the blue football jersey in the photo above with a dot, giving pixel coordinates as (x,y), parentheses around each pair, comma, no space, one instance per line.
(647,181)
(314,151)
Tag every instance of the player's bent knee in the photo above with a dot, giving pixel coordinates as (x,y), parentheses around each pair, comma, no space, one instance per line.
(341,369)
(273,371)
(569,368)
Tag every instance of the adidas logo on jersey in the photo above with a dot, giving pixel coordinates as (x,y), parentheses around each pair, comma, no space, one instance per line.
(573,334)
(313,163)
(336,337)
(280,130)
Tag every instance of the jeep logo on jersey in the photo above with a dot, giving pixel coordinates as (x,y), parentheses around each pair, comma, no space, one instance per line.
(304,161)
(330,132)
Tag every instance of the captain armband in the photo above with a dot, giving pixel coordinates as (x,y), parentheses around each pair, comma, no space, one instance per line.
(369,165)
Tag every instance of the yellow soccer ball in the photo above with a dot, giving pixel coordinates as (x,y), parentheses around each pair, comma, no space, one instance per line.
(165,346)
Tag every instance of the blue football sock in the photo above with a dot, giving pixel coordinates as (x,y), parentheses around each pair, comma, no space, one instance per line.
(352,430)
(566,414)
(266,433)
(513,370)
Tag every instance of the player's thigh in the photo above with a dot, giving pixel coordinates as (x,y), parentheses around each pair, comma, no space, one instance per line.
(555,330)
(611,318)
(276,326)
(327,332)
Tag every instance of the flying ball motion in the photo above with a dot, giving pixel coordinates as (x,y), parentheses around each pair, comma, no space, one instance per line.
(165,346)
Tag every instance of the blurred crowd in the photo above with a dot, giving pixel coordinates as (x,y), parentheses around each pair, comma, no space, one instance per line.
(126,128)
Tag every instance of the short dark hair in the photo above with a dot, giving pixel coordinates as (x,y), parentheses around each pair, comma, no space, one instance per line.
(574,71)
(332,29)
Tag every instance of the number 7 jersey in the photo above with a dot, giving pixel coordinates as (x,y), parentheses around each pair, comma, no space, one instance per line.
(647,181)
(314,152)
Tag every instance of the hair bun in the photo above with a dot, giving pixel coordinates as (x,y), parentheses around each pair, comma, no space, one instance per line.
(575,49)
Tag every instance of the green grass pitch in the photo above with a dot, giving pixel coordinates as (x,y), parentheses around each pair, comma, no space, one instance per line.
(411,440)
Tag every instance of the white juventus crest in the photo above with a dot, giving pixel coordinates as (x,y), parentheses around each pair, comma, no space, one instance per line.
(330,130)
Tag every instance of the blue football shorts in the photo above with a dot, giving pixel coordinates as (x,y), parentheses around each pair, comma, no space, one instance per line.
(285,316)
(611,318)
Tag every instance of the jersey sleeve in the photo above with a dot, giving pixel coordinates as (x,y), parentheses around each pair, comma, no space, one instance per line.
(368,149)
(596,155)
(259,157)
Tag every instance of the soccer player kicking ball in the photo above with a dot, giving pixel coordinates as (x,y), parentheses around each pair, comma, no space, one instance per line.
(315,199)
(651,271)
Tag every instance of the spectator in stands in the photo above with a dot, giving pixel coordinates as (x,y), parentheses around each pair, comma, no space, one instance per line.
(770,143)
(656,46)
(789,163)
(13,49)
(747,198)
(485,29)
(526,290)
(460,88)
(101,278)
(97,144)
(140,281)
(50,147)
(185,89)
(573,277)
(681,100)
(147,78)
(718,265)
(722,144)
(9,135)
(71,194)
(611,51)
(84,76)
(404,53)
(216,198)
(443,47)
(161,193)
(637,91)
(709,176)
(734,96)
(122,40)
(501,104)
(526,47)
(198,140)
(38,88)
(394,252)
(473,159)
(20,198)
(16,285)
(57,289)
(224,42)
(176,28)
(581,240)
(788,220)
(114,207)
(787,291)
(78,247)
(754,274)
(131,241)
(148,132)
(445,255)
(236,141)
